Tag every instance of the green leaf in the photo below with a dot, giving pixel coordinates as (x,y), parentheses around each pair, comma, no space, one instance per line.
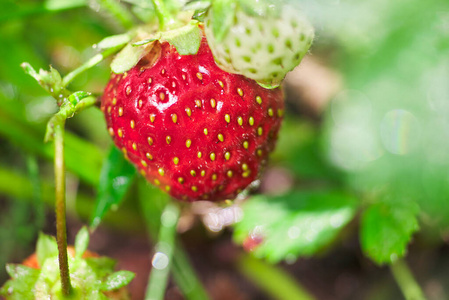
(296,224)
(127,58)
(21,286)
(187,39)
(386,230)
(223,14)
(46,248)
(55,5)
(81,242)
(114,41)
(116,176)
(117,280)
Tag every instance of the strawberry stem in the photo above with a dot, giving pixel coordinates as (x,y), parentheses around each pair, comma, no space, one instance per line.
(407,283)
(61,230)
(164,16)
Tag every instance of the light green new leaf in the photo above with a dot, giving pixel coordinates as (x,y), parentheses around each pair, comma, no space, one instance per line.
(114,41)
(386,230)
(297,224)
(46,248)
(81,242)
(117,280)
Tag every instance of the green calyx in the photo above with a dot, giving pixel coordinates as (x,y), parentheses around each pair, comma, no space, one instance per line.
(186,40)
(92,277)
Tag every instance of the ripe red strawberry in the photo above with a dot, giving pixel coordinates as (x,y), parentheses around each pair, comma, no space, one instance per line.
(191,128)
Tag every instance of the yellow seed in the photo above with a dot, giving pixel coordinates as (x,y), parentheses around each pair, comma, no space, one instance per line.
(251,121)
(199,75)
(140,103)
(280,112)
(212,156)
(259,131)
(245,144)
(173,84)
(150,140)
(180,180)
(174,118)
(134,146)
(109,109)
(143,172)
(259,100)
(198,103)
(183,77)
(205,131)
(157,182)
(188,111)
(214,177)
(163,71)
(203,173)
(193,173)
(199,154)
(167,188)
(240,92)
(114,101)
(220,137)
(229,173)
(194,188)
(150,80)
(220,83)
(152,118)
(270,112)
(162,96)
(244,167)
(161,171)
(246,174)
(143,163)
(168,139)
(240,121)
(128,90)
(125,75)
(259,152)
(120,111)
(111,131)
(227,118)
(227,155)
(188,143)
(213,103)
(149,156)
(132,124)
(176,160)
(120,132)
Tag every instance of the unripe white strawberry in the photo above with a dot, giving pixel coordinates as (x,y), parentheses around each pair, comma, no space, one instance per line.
(263,47)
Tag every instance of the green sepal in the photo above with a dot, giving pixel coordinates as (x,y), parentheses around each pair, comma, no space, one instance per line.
(186,40)
(46,248)
(114,41)
(117,280)
(20,286)
(81,242)
(223,14)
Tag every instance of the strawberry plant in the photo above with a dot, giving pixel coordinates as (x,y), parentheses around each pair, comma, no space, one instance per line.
(189,121)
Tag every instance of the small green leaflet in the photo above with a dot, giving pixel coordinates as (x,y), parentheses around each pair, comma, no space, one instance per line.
(127,58)
(386,230)
(117,280)
(81,242)
(46,248)
(116,176)
(296,224)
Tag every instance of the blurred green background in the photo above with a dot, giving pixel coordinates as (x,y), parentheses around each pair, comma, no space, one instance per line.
(361,169)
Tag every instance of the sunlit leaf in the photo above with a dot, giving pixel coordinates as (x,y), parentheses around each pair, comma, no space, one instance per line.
(386,230)
(46,248)
(114,41)
(297,224)
(81,242)
(127,58)
(116,176)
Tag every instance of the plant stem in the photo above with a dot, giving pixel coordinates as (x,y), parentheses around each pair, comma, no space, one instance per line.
(89,64)
(164,253)
(165,18)
(61,233)
(406,282)
(272,279)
